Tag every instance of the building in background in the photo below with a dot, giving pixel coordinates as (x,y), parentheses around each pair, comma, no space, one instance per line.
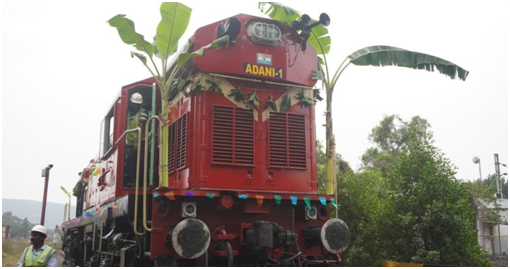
(5,232)
(493,236)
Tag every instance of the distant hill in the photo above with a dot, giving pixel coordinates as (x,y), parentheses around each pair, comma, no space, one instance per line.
(32,211)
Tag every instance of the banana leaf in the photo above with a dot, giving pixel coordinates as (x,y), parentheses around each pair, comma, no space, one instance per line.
(319,37)
(65,191)
(128,34)
(386,55)
(174,21)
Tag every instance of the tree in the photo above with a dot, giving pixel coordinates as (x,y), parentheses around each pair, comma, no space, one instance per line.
(373,55)
(490,183)
(484,199)
(25,226)
(174,22)
(430,219)
(19,227)
(362,199)
(415,212)
(390,138)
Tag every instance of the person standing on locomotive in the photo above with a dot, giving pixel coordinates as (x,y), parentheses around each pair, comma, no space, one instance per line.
(39,254)
(136,117)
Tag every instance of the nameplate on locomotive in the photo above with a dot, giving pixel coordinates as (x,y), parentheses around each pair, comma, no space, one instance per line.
(263,70)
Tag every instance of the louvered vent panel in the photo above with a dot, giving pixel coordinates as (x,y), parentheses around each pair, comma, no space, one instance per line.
(181,142)
(278,146)
(287,140)
(171,147)
(223,134)
(297,141)
(177,144)
(232,136)
(243,136)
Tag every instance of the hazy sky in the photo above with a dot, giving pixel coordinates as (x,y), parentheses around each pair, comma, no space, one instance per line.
(62,66)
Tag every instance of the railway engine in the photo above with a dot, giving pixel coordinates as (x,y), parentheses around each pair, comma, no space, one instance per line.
(240,184)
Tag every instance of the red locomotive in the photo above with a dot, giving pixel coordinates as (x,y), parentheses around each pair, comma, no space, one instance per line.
(242,184)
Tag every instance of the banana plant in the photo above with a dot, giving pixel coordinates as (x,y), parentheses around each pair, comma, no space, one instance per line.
(174,22)
(373,55)
(68,195)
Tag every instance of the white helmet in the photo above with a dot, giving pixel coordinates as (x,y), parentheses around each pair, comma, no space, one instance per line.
(40,229)
(136,98)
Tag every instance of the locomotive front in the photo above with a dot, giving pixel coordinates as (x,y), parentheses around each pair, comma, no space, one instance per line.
(242,172)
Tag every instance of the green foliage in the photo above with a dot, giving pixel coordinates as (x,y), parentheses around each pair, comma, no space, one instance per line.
(19,227)
(271,103)
(197,87)
(305,100)
(285,105)
(430,209)
(77,188)
(362,200)
(281,13)
(237,94)
(319,36)
(65,191)
(373,55)
(484,200)
(391,137)
(215,87)
(490,183)
(386,55)
(178,86)
(393,132)
(416,211)
(317,95)
(174,22)
(253,100)
(216,44)
(127,32)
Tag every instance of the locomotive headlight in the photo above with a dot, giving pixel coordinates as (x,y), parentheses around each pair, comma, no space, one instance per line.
(189,209)
(310,213)
(264,33)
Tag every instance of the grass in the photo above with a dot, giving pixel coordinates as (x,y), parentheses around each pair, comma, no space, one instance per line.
(12,250)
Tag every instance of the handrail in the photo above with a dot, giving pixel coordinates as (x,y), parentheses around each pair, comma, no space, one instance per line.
(146,153)
(139,130)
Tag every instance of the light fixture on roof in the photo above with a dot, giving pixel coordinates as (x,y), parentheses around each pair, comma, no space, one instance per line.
(264,33)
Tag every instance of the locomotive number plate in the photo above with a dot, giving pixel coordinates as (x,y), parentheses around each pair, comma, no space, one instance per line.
(263,70)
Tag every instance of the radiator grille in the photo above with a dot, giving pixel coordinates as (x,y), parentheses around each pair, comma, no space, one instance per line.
(232,136)
(171,147)
(177,144)
(287,140)
(181,142)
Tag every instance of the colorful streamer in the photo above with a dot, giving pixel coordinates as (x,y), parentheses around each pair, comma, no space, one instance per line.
(260,199)
(243,196)
(170,195)
(323,200)
(307,202)
(278,199)
(293,200)
(189,193)
(158,198)
(210,195)
(333,203)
